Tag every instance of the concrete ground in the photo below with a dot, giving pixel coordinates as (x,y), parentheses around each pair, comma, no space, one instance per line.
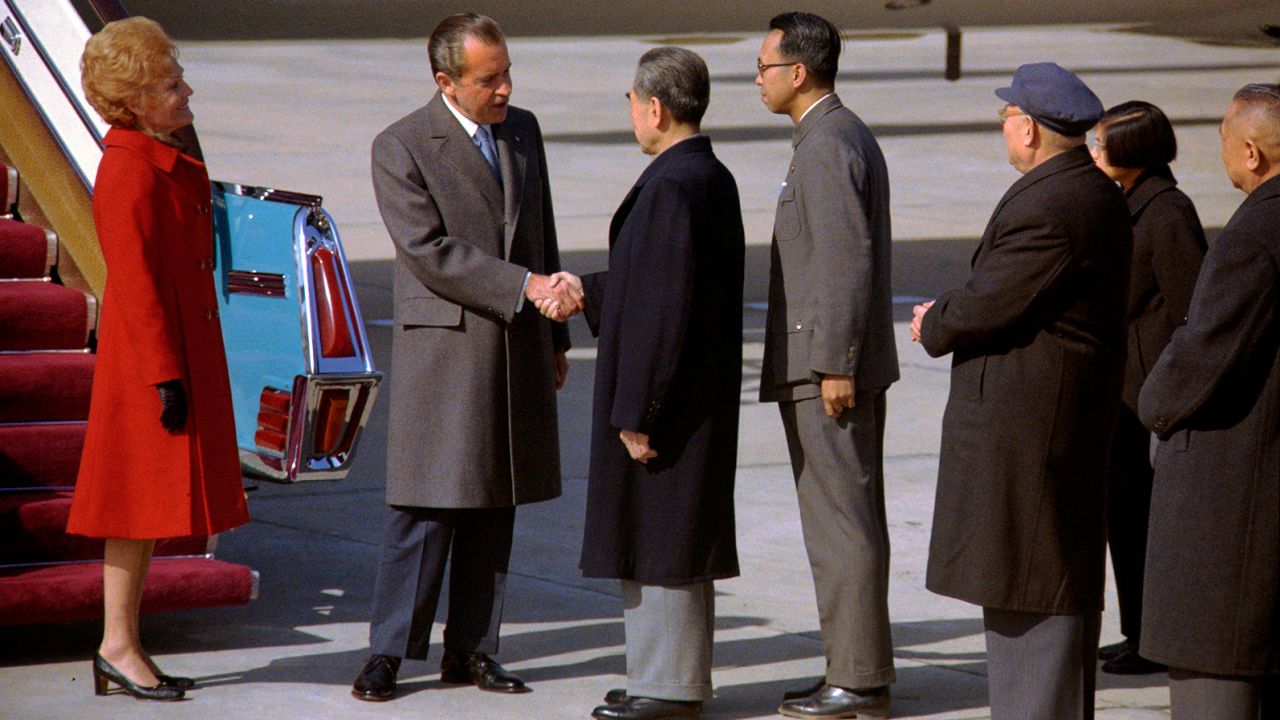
(301,115)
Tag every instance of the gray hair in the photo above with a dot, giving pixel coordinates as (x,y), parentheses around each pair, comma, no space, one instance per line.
(444,48)
(679,78)
(1258,107)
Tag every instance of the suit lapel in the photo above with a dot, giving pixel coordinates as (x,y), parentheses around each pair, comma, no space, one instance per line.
(452,144)
(513,157)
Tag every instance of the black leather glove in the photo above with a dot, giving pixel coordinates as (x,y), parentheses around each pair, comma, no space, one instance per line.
(173,405)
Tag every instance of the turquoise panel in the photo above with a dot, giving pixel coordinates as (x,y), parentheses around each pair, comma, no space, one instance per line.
(263,335)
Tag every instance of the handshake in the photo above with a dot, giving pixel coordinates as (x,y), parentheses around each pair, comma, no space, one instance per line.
(558,296)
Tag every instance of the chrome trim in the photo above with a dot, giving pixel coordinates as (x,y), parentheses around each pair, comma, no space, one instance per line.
(254,583)
(62,351)
(251,282)
(11,197)
(299,465)
(315,229)
(98,561)
(288,197)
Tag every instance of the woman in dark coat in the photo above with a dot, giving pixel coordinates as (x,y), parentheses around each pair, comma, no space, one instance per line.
(160,455)
(1134,144)
(667,390)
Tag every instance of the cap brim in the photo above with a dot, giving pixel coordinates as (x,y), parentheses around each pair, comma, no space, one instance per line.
(1006,94)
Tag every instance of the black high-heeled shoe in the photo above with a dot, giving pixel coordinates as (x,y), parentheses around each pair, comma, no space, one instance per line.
(182,683)
(103,672)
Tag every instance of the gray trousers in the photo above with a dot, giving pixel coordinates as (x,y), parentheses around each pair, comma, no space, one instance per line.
(1196,696)
(1041,667)
(669,633)
(838,465)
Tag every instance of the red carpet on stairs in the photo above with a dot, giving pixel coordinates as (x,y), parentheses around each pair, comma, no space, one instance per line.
(40,387)
(47,575)
(63,593)
(26,251)
(40,454)
(38,315)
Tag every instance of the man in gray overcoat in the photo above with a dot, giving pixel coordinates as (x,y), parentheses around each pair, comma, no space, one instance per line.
(462,187)
(829,358)
(1211,597)
(1037,338)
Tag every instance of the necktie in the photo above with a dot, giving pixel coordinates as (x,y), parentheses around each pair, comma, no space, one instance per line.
(484,141)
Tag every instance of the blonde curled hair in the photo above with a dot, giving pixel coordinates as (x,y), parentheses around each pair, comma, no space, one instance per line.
(120,62)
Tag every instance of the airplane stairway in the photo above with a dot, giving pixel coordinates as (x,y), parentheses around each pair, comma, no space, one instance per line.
(46,372)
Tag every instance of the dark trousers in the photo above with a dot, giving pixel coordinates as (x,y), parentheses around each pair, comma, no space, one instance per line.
(417,545)
(1128,507)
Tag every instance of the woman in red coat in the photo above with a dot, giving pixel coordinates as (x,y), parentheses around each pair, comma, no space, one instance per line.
(160,456)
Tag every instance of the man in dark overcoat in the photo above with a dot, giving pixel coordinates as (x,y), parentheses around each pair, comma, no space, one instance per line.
(1211,601)
(664,436)
(1037,338)
(462,187)
(830,357)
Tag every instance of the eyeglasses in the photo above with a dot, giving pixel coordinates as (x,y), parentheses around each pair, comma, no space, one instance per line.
(1097,145)
(761,67)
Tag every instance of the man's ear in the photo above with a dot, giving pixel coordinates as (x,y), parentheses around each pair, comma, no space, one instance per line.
(655,111)
(1253,155)
(799,74)
(446,85)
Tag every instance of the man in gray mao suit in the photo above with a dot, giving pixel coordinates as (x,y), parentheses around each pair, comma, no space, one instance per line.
(829,358)
(462,187)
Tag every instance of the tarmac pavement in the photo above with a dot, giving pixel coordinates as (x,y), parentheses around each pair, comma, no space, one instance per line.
(301,115)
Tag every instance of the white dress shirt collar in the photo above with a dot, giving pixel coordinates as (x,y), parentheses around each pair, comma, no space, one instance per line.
(814,105)
(467,123)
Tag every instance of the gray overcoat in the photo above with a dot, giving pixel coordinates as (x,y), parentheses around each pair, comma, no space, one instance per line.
(1211,600)
(473,408)
(1037,335)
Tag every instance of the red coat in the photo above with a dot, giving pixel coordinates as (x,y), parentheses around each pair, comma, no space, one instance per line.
(151,206)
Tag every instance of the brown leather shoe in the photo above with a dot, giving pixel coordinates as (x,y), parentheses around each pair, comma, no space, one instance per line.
(468,668)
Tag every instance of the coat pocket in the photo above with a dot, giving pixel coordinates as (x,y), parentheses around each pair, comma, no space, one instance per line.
(428,312)
(786,223)
(967,377)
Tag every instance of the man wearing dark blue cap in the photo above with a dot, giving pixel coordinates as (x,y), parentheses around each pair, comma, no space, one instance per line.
(1037,339)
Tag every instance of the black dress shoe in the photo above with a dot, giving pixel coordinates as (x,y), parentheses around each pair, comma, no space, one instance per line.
(103,672)
(806,692)
(643,708)
(615,696)
(1130,662)
(1107,652)
(377,681)
(833,702)
(468,668)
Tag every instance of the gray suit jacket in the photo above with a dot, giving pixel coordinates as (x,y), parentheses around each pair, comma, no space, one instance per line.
(830,302)
(473,409)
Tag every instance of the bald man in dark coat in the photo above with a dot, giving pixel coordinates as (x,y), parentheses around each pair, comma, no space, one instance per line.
(1211,597)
